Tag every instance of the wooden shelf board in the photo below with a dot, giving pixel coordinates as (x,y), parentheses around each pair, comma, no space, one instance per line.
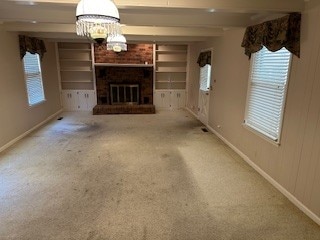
(170,71)
(74,49)
(171,51)
(161,81)
(77,81)
(74,70)
(73,60)
(172,61)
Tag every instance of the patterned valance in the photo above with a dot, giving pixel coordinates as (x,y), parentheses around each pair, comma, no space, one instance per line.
(204,58)
(274,35)
(32,45)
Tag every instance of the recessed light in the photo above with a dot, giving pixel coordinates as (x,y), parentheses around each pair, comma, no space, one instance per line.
(211,10)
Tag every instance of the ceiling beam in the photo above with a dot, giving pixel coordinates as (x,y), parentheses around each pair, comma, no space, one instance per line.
(47,15)
(130,39)
(195,20)
(171,31)
(215,5)
(127,30)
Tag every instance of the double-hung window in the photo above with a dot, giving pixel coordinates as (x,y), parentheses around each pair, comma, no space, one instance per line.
(267,92)
(33,78)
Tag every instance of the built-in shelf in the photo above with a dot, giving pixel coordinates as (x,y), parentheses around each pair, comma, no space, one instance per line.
(76,81)
(75,64)
(74,49)
(171,71)
(171,51)
(171,61)
(123,65)
(74,60)
(170,67)
(74,70)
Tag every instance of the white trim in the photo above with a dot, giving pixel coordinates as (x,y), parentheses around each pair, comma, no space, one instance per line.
(59,71)
(9,144)
(192,113)
(284,191)
(259,131)
(27,80)
(207,50)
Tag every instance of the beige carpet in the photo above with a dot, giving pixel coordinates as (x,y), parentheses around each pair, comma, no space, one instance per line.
(119,177)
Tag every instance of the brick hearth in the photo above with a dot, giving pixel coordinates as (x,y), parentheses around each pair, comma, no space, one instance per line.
(124,109)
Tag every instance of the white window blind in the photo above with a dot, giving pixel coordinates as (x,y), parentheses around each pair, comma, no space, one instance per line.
(33,78)
(205,73)
(267,91)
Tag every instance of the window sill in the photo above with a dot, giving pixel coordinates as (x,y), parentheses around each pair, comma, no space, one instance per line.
(266,138)
(37,104)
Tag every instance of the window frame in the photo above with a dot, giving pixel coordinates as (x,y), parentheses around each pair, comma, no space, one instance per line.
(26,80)
(258,131)
(208,76)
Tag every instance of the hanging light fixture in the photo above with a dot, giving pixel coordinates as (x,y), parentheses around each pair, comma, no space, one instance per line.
(117,43)
(97,19)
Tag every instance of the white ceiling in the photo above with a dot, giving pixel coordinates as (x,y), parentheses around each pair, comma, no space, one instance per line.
(146,20)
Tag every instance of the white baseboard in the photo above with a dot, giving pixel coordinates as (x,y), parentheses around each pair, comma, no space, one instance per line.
(191,112)
(9,144)
(284,191)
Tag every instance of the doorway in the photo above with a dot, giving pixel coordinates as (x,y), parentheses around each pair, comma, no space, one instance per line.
(204,62)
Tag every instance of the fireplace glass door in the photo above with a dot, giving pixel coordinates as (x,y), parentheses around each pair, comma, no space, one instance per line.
(124,94)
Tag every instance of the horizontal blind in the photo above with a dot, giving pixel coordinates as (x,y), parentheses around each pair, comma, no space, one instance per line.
(268,80)
(33,78)
(205,77)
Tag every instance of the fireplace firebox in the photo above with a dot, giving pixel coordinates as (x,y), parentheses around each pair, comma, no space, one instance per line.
(124,94)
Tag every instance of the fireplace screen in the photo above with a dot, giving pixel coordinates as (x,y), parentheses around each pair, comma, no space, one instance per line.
(124,93)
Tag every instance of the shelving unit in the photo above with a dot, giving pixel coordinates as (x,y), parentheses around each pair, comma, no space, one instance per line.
(76,76)
(170,66)
(75,62)
(170,75)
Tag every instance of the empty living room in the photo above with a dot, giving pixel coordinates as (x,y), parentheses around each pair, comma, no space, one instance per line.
(169,120)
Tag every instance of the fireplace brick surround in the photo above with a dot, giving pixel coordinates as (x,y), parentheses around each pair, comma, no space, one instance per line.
(124,68)
(136,54)
(143,76)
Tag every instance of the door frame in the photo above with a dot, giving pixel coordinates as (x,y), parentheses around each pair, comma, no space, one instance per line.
(206,121)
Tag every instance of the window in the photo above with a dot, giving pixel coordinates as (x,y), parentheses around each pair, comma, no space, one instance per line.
(33,78)
(205,73)
(267,91)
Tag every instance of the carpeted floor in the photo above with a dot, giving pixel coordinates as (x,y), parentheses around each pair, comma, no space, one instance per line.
(144,177)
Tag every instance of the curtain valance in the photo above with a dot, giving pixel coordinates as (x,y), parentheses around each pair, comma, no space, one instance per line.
(274,35)
(204,58)
(32,45)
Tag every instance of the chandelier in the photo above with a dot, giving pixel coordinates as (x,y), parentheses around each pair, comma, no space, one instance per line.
(97,19)
(117,43)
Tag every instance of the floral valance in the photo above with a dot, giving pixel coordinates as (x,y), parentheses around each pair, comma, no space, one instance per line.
(204,58)
(274,35)
(32,45)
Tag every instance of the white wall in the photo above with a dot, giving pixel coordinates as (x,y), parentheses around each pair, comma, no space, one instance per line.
(295,164)
(16,115)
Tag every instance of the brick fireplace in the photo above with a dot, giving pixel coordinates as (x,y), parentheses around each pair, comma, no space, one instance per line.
(141,76)
(124,69)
